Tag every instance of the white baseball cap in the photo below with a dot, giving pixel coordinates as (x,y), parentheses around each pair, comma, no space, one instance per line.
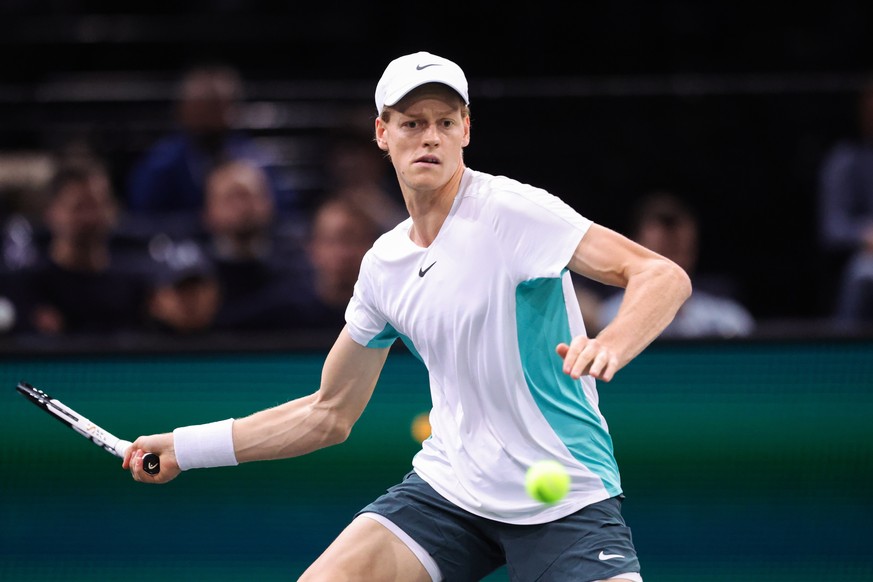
(405,73)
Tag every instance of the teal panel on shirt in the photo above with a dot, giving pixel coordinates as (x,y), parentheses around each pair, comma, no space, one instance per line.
(387,336)
(384,338)
(541,316)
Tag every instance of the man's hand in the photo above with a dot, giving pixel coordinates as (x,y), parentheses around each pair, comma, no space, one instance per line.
(161,445)
(587,356)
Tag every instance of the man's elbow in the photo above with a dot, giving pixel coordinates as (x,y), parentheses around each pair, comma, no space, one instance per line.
(681,282)
(341,432)
(337,430)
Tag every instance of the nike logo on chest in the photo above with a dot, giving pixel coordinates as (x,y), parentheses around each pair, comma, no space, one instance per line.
(422,273)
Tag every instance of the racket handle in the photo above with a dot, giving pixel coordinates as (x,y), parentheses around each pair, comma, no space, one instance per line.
(151,463)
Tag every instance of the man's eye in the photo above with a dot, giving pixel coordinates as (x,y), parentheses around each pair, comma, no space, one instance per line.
(411,124)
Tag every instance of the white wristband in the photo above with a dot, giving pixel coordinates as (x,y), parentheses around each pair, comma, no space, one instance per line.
(205,445)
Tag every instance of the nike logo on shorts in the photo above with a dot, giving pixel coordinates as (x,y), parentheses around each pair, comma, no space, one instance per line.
(604,556)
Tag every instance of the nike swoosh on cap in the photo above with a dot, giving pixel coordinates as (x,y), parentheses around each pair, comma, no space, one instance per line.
(420,67)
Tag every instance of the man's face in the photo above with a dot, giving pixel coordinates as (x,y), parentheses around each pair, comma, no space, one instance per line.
(187,306)
(340,238)
(676,240)
(425,137)
(83,210)
(237,203)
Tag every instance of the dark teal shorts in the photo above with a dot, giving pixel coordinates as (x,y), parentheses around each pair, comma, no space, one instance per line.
(592,544)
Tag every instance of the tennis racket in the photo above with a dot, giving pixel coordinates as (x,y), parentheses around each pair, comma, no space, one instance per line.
(99,436)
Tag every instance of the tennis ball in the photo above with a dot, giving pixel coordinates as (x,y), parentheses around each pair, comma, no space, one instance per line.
(421,427)
(547,481)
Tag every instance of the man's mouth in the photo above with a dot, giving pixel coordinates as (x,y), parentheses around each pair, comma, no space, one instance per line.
(427,160)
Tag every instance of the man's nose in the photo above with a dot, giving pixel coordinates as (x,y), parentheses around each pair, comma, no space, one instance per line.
(431,135)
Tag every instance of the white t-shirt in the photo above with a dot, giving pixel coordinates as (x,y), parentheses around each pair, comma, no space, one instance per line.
(484,307)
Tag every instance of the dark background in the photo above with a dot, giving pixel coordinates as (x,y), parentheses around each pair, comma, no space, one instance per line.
(732,105)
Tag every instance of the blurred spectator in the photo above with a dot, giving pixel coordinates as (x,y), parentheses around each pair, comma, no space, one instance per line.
(357,170)
(168,183)
(260,267)
(252,277)
(339,237)
(664,224)
(78,284)
(186,293)
(846,216)
(24,177)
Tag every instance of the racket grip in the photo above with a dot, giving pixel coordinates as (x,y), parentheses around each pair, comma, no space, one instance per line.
(151,463)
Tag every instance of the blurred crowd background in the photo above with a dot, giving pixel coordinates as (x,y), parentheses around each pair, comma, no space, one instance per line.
(181,177)
(179,170)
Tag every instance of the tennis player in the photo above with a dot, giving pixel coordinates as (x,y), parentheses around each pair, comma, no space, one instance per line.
(476,282)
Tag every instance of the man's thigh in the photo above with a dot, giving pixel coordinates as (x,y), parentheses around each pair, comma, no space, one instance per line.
(366,550)
(457,545)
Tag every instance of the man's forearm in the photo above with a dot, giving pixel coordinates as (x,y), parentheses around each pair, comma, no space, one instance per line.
(292,429)
(651,300)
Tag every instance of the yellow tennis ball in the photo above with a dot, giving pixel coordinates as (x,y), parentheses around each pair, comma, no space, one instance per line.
(421,427)
(547,481)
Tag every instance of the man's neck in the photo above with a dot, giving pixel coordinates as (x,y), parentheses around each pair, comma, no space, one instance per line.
(430,209)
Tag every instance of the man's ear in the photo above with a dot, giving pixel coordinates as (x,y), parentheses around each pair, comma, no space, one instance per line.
(381,128)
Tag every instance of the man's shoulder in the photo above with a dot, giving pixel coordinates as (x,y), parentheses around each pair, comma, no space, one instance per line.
(500,195)
(392,242)
(495,184)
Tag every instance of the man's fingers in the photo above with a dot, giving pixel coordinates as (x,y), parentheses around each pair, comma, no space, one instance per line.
(128,456)
(572,354)
(586,356)
(139,469)
(135,464)
(600,366)
(584,360)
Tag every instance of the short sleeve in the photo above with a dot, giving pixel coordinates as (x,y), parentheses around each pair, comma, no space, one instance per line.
(364,321)
(539,230)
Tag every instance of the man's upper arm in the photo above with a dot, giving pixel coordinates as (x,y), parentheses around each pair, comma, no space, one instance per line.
(609,257)
(349,375)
